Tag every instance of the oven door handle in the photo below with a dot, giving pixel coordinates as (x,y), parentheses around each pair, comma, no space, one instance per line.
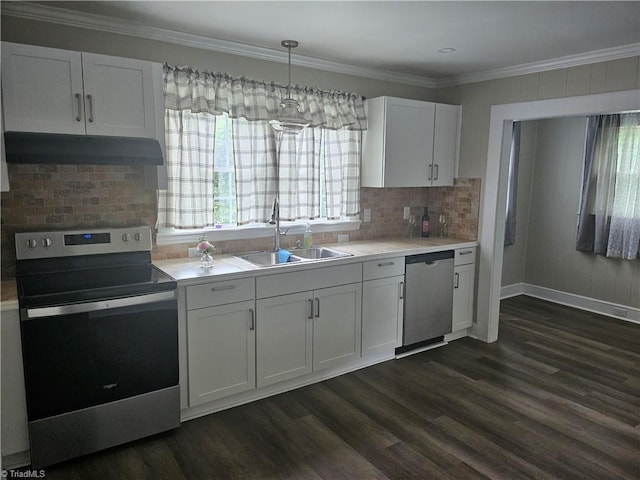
(99,305)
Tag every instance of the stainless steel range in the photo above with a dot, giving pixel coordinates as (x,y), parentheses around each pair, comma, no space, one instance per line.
(99,328)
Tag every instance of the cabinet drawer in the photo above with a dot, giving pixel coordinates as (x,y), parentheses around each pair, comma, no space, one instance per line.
(219,293)
(464,256)
(389,267)
(312,279)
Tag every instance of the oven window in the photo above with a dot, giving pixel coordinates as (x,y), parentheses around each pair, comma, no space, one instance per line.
(87,359)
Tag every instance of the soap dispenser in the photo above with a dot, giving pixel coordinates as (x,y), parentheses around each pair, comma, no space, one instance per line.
(308,237)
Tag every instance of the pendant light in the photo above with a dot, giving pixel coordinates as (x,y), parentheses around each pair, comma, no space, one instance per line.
(289,118)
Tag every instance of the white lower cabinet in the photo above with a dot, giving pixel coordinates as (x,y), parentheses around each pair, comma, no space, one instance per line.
(15,435)
(221,339)
(382,306)
(221,351)
(336,325)
(285,336)
(307,331)
(463,288)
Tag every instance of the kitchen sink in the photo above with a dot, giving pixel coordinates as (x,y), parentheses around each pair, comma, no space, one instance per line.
(267,259)
(317,253)
(297,255)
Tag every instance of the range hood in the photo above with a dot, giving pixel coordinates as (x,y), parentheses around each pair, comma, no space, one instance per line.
(51,148)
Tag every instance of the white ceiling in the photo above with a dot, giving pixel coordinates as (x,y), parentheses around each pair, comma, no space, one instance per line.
(397,37)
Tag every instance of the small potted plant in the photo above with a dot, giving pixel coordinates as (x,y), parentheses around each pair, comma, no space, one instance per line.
(207,250)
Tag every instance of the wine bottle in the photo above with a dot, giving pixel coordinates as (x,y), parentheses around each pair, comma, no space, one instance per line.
(425,223)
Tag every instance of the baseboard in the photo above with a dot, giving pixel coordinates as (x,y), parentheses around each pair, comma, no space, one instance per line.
(512,290)
(16,460)
(614,310)
(449,337)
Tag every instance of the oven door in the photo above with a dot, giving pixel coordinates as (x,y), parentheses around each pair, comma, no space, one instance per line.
(82,355)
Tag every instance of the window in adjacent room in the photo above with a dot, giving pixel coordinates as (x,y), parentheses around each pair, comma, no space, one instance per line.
(609,217)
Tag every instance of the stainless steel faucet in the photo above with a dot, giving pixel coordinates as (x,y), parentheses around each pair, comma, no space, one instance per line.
(275,220)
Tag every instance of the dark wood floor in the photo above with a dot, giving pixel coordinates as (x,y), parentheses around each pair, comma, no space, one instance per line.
(558,396)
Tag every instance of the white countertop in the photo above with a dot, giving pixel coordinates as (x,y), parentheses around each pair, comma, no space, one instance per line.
(188,270)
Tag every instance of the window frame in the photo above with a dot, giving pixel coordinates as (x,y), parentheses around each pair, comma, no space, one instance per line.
(174,236)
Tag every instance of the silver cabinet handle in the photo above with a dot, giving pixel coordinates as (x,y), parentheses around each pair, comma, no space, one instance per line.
(317,307)
(466,252)
(310,309)
(252,326)
(401,285)
(386,264)
(430,172)
(437,170)
(90,98)
(457,285)
(223,287)
(79,100)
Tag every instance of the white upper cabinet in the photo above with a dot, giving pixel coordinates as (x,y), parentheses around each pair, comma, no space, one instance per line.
(410,143)
(446,135)
(47,90)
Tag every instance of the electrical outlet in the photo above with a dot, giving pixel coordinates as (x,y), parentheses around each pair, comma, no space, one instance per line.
(194,252)
(406,213)
(367,215)
(343,238)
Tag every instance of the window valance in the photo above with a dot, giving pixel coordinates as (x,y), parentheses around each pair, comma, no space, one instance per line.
(241,97)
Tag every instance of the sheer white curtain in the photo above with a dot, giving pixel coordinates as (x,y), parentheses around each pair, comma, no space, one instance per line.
(332,140)
(609,219)
(624,234)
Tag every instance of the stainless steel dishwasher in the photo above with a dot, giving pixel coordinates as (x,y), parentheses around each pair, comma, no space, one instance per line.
(428,301)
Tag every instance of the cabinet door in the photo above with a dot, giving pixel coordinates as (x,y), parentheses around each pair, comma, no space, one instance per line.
(445,144)
(337,325)
(15,434)
(408,142)
(221,346)
(42,89)
(463,294)
(118,96)
(382,305)
(284,337)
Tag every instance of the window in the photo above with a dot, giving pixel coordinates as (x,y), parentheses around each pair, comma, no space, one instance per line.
(221,157)
(609,218)
(224,174)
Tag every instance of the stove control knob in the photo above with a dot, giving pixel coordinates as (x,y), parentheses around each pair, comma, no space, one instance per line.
(126,237)
(46,242)
(137,237)
(32,243)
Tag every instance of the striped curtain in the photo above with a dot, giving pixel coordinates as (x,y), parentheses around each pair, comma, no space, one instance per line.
(324,159)
(188,201)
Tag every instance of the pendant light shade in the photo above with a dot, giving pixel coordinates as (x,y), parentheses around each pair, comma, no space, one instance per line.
(289,118)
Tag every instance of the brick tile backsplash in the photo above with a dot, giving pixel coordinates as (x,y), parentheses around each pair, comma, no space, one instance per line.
(459,203)
(51,197)
(59,197)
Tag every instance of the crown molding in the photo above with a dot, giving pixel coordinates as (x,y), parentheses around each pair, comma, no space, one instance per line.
(607,54)
(66,17)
